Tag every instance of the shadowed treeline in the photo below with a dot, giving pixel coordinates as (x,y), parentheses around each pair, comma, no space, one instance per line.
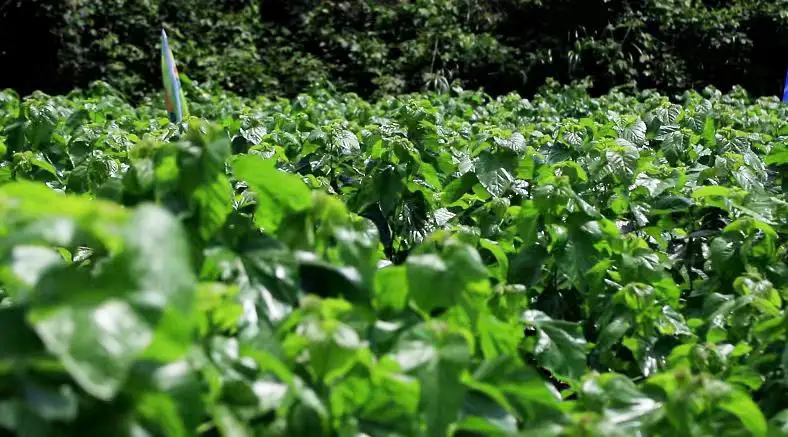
(378,47)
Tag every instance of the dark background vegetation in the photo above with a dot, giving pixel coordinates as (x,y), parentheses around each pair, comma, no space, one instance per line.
(280,47)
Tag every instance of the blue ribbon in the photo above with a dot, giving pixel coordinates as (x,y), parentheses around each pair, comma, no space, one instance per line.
(175,81)
(785,89)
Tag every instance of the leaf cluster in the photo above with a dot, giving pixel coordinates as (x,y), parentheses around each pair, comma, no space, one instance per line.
(426,265)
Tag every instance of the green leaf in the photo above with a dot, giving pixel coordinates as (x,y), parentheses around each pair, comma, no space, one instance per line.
(254,135)
(709,130)
(497,337)
(25,202)
(526,266)
(495,172)
(522,385)
(634,132)
(784,362)
(279,194)
(560,345)
(28,265)
(391,288)
(458,187)
(528,224)
(613,332)
(778,156)
(483,415)
(438,354)
(741,405)
(708,191)
(97,345)
(162,411)
(438,280)
(502,262)
(157,258)
(515,143)
(228,423)
(625,409)
(347,142)
(670,204)
(98,331)
(654,186)
(573,170)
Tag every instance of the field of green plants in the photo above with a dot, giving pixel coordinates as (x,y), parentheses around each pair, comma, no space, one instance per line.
(427,265)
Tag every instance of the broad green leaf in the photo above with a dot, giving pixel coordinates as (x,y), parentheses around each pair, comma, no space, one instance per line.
(228,423)
(625,409)
(528,224)
(28,265)
(522,385)
(279,194)
(391,288)
(515,143)
(743,407)
(157,258)
(483,415)
(779,156)
(347,141)
(457,187)
(438,280)
(497,337)
(634,131)
(495,172)
(709,130)
(162,411)
(613,332)
(437,354)
(707,191)
(97,345)
(560,345)
(98,331)
(502,262)
(215,204)
(26,202)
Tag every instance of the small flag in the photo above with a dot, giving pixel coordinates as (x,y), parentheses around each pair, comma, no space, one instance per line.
(785,89)
(173,93)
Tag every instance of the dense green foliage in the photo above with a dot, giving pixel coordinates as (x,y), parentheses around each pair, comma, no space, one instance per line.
(378,47)
(425,265)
